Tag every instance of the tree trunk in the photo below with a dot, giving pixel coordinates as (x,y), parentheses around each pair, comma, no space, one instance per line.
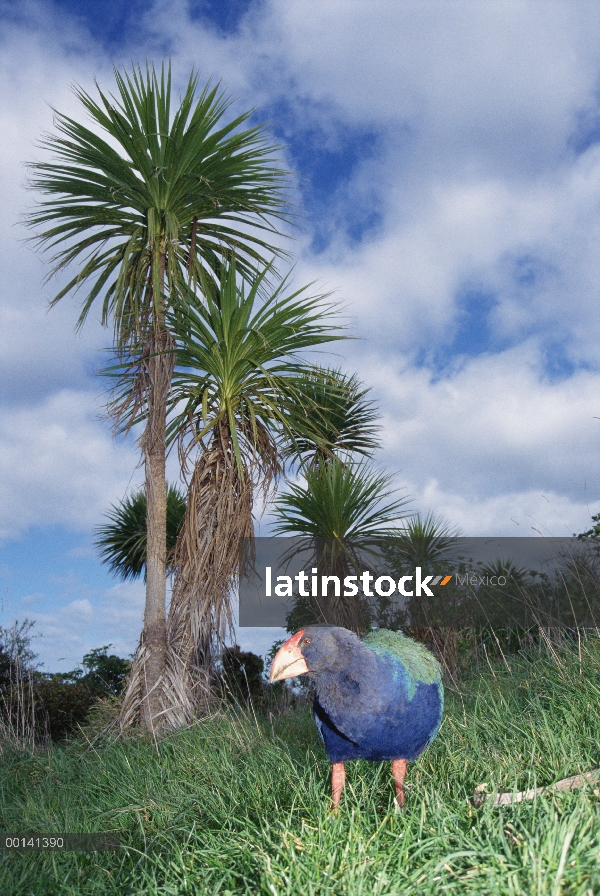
(331,609)
(155,622)
(142,701)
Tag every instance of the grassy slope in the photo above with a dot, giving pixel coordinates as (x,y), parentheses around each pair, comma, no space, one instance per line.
(228,808)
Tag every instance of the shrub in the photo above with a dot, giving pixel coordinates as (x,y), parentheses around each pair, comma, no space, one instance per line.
(66,698)
(64,705)
(243,673)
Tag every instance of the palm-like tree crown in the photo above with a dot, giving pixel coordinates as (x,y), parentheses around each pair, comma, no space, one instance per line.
(238,367)
(340,501)
(424,541)
(344,414)
(141,185)
(122,541)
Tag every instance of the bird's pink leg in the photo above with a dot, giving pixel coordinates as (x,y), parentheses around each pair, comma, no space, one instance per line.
(338,778)
(399,771)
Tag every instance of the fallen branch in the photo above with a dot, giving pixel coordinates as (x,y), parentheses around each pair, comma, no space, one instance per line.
(505,799)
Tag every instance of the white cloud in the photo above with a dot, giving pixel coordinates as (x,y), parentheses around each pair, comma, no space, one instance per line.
(41,58)
(73,627)
(494,435)
(59,465)
(522,514)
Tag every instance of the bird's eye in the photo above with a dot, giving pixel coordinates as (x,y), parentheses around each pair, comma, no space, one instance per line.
(306,641)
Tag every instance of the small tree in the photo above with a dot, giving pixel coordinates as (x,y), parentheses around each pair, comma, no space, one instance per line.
(341,513)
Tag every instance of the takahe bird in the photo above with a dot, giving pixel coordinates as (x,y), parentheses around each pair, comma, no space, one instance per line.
(380,698)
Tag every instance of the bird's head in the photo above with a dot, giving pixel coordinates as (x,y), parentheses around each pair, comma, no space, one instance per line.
(313,649)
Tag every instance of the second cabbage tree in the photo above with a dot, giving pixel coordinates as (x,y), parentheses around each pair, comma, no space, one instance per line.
(241,376)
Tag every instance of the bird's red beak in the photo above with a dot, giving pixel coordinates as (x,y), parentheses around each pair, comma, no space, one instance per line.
(288,661)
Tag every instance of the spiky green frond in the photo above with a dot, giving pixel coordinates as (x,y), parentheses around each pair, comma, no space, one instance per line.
(339,516)
(424,541)
(345,415)
(144,180)
(121,542)
(340,501)
(239,360)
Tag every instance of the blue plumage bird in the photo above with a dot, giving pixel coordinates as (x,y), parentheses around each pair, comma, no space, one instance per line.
(379,698)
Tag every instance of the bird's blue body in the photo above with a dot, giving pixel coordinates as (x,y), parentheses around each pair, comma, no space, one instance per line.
(378,699)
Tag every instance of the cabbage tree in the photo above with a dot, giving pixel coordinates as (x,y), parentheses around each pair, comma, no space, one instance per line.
(152,192)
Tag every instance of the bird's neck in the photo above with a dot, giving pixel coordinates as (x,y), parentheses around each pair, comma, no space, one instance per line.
(354,672)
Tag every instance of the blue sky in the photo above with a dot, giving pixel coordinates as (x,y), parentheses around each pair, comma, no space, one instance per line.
(448,178)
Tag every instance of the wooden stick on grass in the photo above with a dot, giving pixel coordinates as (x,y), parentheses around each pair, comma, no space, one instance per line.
(505,799)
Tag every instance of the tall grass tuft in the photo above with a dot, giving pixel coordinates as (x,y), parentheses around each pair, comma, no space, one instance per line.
(22,720)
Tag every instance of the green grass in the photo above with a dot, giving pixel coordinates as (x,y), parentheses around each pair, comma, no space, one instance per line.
(230,806)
